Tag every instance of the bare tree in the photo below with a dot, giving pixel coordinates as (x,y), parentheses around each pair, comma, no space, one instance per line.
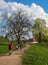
(19,25)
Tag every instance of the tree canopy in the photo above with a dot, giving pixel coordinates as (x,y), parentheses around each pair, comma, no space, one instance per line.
(18,25)
(39,29)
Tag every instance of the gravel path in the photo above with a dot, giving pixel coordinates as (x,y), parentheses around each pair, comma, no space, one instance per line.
(14,58)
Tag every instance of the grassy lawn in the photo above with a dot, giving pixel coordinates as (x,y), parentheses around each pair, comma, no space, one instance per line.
(4,47)
(36,55)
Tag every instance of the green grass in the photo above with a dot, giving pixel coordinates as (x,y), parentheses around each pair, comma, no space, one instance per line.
(36,55)
(4,47)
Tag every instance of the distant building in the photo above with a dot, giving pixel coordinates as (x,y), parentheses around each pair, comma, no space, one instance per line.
(33,40)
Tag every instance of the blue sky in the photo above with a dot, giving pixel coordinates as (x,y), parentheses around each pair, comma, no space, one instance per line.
(42,3)
(36,9)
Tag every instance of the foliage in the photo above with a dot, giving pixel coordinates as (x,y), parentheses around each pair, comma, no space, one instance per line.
(39,29)
(46,34)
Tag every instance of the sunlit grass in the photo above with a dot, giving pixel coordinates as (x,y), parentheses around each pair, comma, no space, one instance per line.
(36,55)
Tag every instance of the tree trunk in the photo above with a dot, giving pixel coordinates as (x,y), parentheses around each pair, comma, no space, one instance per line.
(39,37)
(19,43)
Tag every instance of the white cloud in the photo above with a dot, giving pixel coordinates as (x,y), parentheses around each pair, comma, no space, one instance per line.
(34,10)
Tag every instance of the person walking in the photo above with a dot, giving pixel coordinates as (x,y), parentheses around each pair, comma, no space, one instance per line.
(10,47)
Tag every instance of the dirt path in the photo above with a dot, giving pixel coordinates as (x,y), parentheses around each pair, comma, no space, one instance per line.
(14,59)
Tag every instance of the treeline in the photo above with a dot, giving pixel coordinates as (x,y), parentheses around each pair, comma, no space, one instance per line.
(3,39)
